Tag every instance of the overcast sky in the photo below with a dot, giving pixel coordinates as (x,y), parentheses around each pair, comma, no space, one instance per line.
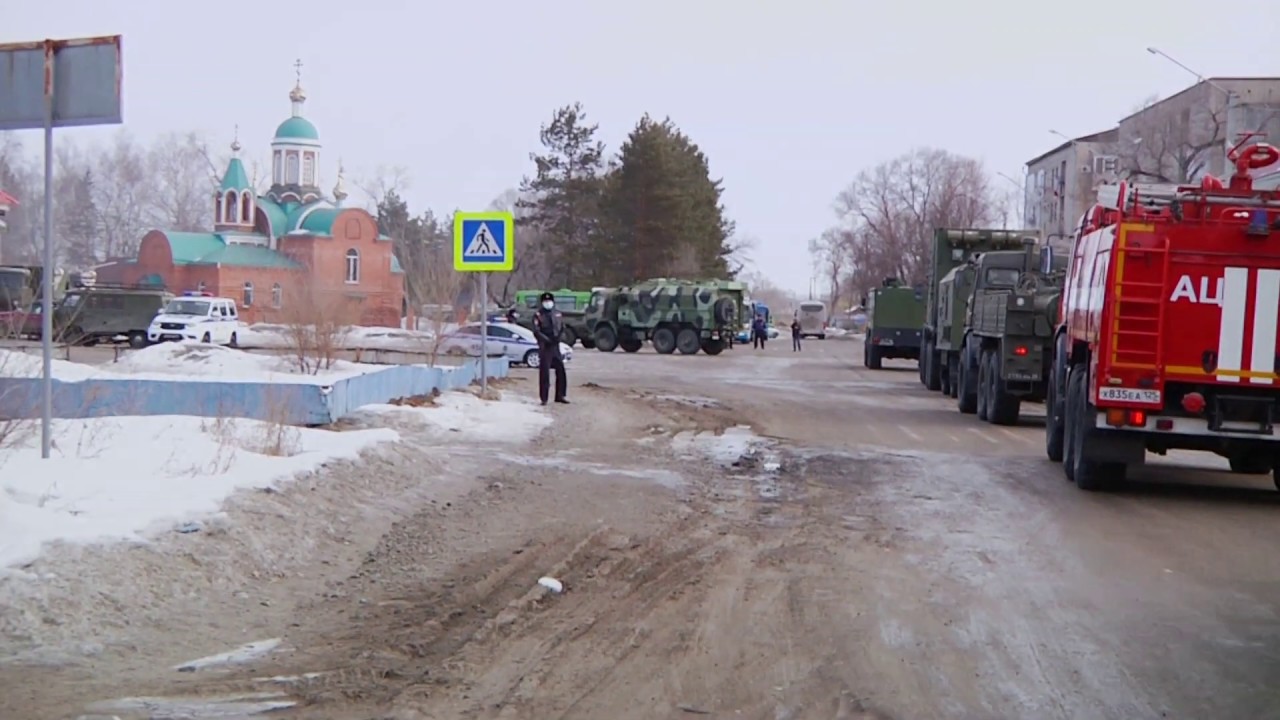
(788,99)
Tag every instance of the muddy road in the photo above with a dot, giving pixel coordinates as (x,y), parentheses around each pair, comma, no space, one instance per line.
(760,535)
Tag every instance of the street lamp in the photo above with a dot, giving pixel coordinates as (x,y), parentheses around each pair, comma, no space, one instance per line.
(1064,137)
(1157,51)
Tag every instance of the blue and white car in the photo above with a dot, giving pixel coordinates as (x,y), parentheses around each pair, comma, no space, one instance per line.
(515,342)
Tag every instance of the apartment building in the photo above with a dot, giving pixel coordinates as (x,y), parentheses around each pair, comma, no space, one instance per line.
(1060,184)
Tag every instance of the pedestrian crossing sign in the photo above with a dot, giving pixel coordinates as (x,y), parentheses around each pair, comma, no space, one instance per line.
(484,242)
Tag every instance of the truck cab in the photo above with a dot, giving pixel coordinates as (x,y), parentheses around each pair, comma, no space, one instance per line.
(895,315)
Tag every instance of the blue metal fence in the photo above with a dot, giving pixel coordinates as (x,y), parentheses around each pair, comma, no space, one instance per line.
(287,403)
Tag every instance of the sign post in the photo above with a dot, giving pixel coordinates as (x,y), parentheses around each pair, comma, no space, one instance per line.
(43,85)
(484,242)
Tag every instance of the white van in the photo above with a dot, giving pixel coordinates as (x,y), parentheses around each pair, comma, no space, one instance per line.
(196,316)
(813,319)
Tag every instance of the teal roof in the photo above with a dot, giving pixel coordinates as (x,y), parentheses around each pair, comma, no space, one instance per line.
(297,128)
(396,267)
(213,249)
(320,221)
(276,216)
(235,178)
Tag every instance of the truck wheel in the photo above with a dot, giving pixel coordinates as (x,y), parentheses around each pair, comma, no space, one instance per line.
(687,341)
(873,357)
(967,393)
(567,336)
(137,340)
(944,375)
(1089,475)
(923,373)
(1250,464)
(953,375)
(1002,406)
(1054,439)
(631,344)
(713,347)
(933,372)
(664,341)
(606,338)
(984,377)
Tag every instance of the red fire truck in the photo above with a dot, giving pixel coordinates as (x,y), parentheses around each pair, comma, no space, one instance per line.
(1167,338)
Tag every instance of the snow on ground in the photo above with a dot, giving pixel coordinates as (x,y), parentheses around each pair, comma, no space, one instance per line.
(512,419)
(242,654)
(267,335)
(724,449)
(18,364)
(124,477)
(198,361)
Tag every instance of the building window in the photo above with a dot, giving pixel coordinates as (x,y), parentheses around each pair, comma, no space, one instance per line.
(277,295)
(200,286)
(246,207)
(247,301)
(277,167)
(291,166)
(309,169)
(353,266)
(229,207)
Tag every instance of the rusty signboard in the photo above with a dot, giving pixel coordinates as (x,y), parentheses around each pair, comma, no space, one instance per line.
(83,75)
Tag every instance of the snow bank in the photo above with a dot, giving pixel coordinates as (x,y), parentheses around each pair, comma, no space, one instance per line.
(724,449)
(16,364)
(460,414)
(210,363)
(121,478)
(267,335)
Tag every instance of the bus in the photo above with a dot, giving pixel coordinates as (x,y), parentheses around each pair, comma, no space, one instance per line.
(813,319)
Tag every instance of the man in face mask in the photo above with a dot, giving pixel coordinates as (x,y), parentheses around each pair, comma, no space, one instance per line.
(548,325)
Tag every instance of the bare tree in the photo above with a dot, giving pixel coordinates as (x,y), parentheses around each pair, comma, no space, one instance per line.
(890,211)
(1169,144)
(181,186)
(764,290)
(317,325)
(832,254)
(441,287)
(121,196)
(383,181)
(531,267)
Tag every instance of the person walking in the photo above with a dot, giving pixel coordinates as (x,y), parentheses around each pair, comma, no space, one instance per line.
(548,325)
(513,315)
(759,332)
(795,335)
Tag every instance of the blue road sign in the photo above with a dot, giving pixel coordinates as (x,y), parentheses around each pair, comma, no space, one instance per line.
(484,242)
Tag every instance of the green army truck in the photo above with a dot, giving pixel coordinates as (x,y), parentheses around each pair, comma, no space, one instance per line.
(894,316)
(672,314)
(1009,324)
(943,330)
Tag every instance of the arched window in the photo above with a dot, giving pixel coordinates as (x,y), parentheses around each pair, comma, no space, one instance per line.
(353,266)
(246,207)
(309,169)
(229,207)
(247,301)
(217,207)
(277,295)
(277,167)
(291,168)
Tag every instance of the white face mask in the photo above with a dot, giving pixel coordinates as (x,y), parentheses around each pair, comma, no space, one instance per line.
(548,305)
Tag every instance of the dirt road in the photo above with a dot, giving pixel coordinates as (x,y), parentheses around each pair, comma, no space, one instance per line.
(866,553)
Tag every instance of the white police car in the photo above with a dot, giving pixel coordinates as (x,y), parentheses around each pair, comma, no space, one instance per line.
(515,342)
(197,316)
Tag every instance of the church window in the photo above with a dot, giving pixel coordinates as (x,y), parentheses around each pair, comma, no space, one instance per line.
(353,266)
(247,300)
(246,207)
(217,207)
(277,295)
(277,168)
(309,169)
(291,167)
(229,207)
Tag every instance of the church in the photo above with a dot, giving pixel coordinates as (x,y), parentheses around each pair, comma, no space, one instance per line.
(290,245)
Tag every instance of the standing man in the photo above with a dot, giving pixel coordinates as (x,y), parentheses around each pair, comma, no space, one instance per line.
(795,335)
(759,332)
(548,324)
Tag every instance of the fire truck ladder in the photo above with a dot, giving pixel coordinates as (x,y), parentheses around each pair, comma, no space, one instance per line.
(1138,315)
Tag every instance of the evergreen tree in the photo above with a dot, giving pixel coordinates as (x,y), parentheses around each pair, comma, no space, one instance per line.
(78,220)
(663,209)
(564,195)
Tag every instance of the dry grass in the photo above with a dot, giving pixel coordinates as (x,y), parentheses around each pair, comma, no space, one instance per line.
(316,327)
(15,430)
(428,400)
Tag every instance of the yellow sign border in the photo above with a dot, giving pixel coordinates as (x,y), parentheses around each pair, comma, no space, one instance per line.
(508,221)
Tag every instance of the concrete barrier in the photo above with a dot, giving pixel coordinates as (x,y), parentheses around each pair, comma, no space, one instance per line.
(286,403)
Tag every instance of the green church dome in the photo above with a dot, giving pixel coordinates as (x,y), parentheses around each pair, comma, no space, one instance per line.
(297,128)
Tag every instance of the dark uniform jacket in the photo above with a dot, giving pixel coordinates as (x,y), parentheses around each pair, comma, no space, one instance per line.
(548,325)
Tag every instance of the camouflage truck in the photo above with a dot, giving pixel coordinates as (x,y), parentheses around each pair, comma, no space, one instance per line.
(895,314)
(1011,314)
(672,314)
(944,314)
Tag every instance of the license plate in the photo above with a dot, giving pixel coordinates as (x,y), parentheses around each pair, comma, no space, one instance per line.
(1129,395)
(885,341)
(1023,377)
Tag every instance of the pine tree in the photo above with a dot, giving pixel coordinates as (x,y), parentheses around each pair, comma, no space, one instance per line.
(565,195)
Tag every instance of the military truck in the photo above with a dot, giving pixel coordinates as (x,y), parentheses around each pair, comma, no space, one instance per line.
(1009,322)
(104,312)
(672,314)
(895,314)
(944,316)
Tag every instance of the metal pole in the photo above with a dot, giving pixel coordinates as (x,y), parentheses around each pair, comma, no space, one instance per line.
(484,333)
(46,280)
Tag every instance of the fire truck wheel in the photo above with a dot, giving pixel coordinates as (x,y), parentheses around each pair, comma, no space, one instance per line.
(966,395)
(1250,464)
(1089,475)
(1002,406)
(1054,437)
